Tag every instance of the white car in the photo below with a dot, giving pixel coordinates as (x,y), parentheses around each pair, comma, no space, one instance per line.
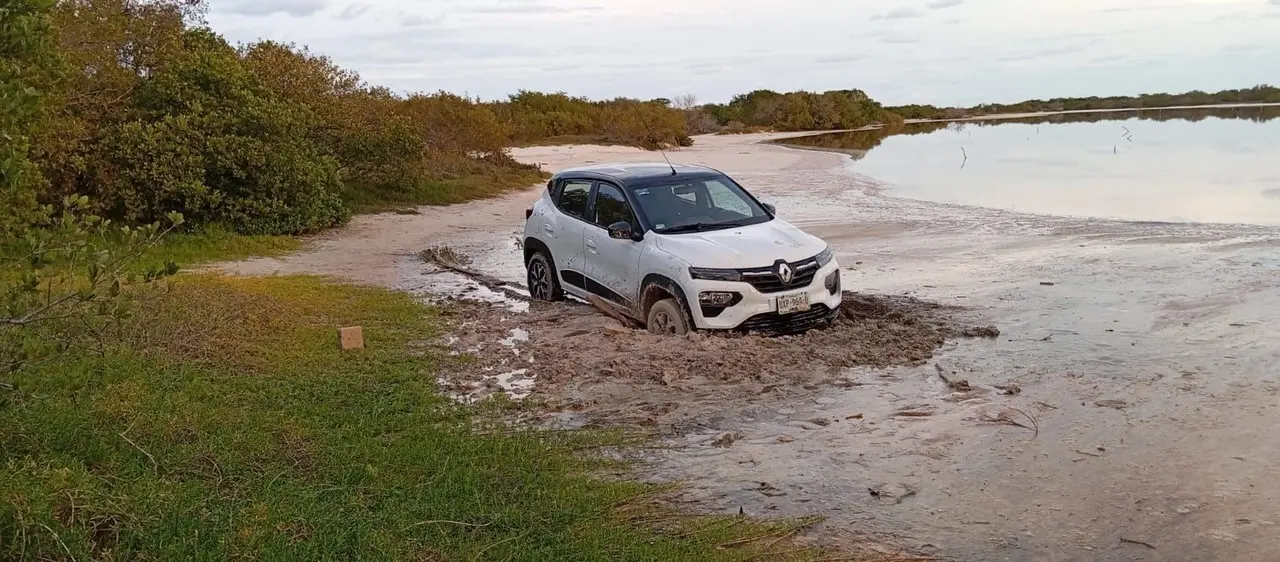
(677,247)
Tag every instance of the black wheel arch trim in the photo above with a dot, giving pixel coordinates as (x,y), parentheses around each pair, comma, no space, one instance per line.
(668,285)
(532,245)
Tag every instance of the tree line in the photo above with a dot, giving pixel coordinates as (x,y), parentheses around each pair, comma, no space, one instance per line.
(1256,94)
(791,111)
(139,106)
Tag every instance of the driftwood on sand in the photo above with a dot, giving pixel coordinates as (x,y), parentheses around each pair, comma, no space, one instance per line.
(445,258)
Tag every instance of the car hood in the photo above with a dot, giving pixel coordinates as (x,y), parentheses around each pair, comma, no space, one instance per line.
(758,245)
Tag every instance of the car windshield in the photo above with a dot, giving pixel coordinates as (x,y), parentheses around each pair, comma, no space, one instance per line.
(699,205)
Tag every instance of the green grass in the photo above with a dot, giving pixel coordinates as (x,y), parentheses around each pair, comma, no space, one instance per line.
(561,140)
(481,183)
(215,244)
(225,424)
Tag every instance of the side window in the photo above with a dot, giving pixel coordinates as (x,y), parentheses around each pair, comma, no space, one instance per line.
(724,198)
(573,197)
(611,206)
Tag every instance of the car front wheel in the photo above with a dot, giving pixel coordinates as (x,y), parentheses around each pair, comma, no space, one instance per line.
(666,318)
(542,280)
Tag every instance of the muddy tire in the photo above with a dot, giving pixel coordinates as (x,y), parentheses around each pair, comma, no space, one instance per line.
(667,318)
(543,283)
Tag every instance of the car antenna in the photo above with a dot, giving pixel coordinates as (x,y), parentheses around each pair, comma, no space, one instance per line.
(664,157)
(658,143)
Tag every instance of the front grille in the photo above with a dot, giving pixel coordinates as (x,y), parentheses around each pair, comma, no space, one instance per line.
(765,279)
(774,324)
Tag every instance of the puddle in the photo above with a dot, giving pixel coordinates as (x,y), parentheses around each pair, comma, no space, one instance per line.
(518,384)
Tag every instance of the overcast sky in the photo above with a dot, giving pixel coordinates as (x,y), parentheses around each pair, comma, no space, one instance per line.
(947,52)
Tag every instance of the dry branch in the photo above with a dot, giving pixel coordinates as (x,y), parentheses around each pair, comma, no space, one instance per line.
(445,258)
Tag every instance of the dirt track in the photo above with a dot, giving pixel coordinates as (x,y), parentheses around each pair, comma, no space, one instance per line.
(1149,367)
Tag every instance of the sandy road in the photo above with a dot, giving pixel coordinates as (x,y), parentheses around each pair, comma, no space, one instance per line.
(1151,366)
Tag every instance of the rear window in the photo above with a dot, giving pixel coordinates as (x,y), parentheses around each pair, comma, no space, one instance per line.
(573,197)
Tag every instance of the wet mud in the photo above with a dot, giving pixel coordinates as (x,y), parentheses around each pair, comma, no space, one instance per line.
(580,361)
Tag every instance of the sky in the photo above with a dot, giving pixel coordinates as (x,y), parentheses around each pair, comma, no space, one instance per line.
(943,52)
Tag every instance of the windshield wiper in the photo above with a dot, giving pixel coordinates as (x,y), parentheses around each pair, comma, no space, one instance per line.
(697,227)
(705,226)
(691,227)
(748,221)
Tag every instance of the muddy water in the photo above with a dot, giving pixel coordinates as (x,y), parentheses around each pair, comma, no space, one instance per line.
(1147,354)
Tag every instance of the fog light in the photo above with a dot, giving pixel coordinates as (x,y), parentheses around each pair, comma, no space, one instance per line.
(833,282)
(717,298)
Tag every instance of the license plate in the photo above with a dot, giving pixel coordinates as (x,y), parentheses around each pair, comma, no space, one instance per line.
(791,304)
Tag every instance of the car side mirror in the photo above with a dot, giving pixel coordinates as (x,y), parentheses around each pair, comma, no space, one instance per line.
(769,207)
(622,230)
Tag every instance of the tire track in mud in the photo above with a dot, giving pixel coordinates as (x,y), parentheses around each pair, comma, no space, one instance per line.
(581,361)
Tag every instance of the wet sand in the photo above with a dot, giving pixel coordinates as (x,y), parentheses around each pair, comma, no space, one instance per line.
(1150,364)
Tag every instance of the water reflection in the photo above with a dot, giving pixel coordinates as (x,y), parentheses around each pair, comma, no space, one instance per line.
(1215,165)
(871,138)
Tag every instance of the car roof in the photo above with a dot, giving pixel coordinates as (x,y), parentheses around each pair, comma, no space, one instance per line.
(638,174)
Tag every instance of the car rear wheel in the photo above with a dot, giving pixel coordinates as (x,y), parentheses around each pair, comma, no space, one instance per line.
(543,283)
(666,318)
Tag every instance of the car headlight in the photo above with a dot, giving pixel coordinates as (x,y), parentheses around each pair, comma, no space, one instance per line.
(712,274)
(825,257)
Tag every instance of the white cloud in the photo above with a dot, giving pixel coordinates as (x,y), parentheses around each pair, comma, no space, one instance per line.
(266,7)
(898,14)
(353,11)
(718,48)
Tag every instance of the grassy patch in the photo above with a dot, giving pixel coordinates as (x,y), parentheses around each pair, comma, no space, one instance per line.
(481,183)
(214,244)
(596,140)
(561,140)
(225,424)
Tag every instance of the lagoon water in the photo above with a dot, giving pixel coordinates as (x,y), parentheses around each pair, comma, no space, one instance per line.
(1215,166)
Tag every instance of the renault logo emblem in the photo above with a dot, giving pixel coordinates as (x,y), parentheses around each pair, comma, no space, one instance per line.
(785,273)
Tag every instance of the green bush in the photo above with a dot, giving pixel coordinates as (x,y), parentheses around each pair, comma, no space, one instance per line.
(209,141)
(800,111)
(25,47)
(70,282)
(535,117)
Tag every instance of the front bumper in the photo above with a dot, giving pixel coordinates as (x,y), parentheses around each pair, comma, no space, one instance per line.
(758,311)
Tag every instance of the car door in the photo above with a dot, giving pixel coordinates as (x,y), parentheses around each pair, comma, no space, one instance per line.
(611,263)
(563,231)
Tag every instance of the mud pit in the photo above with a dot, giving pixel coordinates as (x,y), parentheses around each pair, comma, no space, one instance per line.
(581,361)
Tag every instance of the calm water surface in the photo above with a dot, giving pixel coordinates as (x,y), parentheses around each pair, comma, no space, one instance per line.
(1198,166)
